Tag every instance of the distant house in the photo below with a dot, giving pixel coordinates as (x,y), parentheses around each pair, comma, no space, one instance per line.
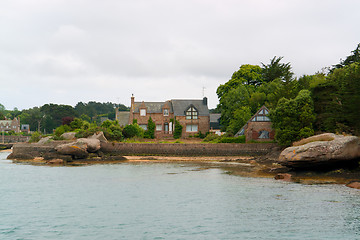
(25,128)
(215,126)
(192,114)
(258,127)
(10,125)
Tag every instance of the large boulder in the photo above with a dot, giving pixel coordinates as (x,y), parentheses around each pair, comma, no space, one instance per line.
(44,140)
(68,135)
(354,185)
(320,150)
(93,145)
(75,149)
(100,136)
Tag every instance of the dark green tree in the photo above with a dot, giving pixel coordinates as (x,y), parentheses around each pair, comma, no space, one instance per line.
(353,58)
(276,70)
(293,119)
(150,132)
(177,129)
(249,75)
(235,98)
(347,96)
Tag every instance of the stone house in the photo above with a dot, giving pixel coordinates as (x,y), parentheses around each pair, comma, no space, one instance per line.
(10,125)
(258,128)
(192,114)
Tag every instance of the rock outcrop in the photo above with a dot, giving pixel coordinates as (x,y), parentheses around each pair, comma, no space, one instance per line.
(284,177)
(354,185)
(321,150)
(68,135)
(75,149)
(100,136)
(44,140)
(92,144)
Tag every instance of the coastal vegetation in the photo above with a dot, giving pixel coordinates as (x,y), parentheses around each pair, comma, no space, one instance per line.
(326,101)
(50,116)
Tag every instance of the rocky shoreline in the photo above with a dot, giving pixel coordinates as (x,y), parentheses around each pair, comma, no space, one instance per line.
(269,163)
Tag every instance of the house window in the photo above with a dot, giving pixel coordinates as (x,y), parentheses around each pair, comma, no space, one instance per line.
(191,113)
(166,127)
(142,112)
(242,132)
(166,112)
(191,128)
(260,119)
(143,126)
(264,134)
(158,127)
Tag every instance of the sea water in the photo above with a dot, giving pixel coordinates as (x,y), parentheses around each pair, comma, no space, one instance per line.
(167,201)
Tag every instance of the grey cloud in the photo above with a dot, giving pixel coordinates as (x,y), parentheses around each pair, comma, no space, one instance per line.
(70,51)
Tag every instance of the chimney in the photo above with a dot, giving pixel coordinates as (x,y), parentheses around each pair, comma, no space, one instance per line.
(205,101)
(132,103)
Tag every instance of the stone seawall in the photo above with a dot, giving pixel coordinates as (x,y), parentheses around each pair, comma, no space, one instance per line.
(13,139)
(32,150)
(171,149)
(47,151)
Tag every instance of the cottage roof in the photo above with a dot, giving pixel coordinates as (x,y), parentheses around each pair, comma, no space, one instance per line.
(180,106)
(123,118)
(259,116)
(215,120)
(5,122)
(215,117)
(152,107)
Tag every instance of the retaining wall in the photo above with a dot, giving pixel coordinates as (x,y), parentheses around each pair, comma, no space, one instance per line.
(171,149)
(13,139)
(47,151)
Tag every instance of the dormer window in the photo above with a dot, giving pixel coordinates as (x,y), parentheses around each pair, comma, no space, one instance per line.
(191,113)
(166,112)
(142,112)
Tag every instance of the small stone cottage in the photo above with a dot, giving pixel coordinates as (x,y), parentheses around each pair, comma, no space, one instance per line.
(258,128)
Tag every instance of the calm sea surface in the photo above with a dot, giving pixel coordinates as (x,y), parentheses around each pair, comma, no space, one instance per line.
(167,201)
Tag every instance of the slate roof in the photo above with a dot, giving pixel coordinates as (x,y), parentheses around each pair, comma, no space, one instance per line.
(215,120)
(152,107)
(123,118)
(180,107)
(177,106)
(242,130)
(5,122)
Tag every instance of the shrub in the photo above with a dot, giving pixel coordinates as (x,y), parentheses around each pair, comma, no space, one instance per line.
(35,137)
(178,130)
(150,132)
(200,135)
(62,129)
(240,139)
(133,130)
(211,137)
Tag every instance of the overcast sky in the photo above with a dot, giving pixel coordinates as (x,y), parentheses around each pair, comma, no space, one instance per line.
(67,51)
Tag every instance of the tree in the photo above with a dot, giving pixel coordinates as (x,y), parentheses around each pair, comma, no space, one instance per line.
(241,116)
(353,58)
(275,70)
(150,132)
(133,130)
(293,119)
(346,80)
(54,113)
(235,99)
(177,129)
(2,112)
(249,75)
